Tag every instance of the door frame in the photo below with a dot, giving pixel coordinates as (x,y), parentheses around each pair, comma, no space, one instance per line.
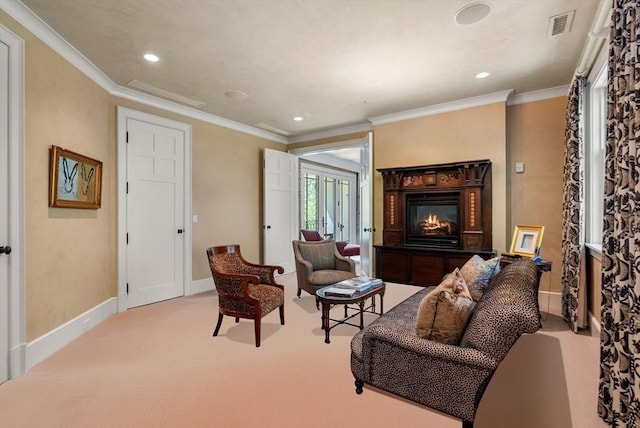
(16,287)
(124,114)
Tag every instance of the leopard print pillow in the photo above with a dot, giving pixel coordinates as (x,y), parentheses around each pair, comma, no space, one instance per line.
(444,312)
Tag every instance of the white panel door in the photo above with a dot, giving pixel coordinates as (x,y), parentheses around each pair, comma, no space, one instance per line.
(155,212)
(4,213)
(366,198)
(280,208)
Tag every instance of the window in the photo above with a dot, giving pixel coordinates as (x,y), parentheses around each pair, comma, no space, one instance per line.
(595,138)
(327,202)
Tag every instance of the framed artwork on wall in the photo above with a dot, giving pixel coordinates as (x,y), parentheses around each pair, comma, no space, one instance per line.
(75,181)
(526,240)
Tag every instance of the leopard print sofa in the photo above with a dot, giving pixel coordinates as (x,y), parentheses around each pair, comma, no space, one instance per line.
(389,355)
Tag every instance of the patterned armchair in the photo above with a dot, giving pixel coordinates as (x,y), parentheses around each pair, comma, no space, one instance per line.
(318,264)
(245,290)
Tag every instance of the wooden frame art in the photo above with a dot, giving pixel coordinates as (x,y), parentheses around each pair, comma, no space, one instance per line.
(526,240)
(75,181)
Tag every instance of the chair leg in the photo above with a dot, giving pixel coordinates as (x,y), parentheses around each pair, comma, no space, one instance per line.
(215,332)
(237,320)
(256,324)
(467,424)
(299,291)
(282,315)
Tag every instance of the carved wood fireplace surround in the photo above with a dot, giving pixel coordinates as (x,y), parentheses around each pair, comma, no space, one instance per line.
(435,218)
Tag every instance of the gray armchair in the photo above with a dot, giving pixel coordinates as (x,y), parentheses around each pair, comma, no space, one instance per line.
(318,264)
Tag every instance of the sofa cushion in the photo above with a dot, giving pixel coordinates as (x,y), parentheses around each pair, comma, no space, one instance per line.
(444,312)
(477,273)
(320,278)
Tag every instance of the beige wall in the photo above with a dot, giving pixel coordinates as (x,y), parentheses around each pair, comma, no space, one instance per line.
(535,136)
(71,254)
(463,135)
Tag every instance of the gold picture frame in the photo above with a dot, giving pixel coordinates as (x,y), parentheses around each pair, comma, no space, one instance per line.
(75,181)
(526,240)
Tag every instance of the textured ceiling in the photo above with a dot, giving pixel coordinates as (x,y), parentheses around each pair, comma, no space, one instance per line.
(335,63)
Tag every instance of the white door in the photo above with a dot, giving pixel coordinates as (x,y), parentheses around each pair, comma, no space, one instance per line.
(280,208)
(12,300)
(366,198)
(155,222)
(4,213)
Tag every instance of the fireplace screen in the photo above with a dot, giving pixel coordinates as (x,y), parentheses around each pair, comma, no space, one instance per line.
(432,220)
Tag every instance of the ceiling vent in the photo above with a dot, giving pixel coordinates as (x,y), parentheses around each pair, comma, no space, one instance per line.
(165,94)
(561,24)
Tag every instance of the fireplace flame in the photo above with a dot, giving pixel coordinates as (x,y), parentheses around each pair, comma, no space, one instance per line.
(432,225)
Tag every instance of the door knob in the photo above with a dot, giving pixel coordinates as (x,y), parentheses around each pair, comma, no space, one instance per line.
(5,250)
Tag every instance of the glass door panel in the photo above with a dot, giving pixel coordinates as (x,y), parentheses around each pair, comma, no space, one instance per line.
(330,205)
(310,202)
(344,202)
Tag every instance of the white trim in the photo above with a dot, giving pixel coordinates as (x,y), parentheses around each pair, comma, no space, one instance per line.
(595,38)
(202,285)
(542,94)
(123,115)
(51,38)
(594,250)
(550,302)
(594,326)
(336,132)
(17,316)
(481,100)
(51,342)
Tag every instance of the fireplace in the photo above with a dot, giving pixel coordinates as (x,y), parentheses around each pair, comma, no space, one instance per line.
(435,217)
(433,220)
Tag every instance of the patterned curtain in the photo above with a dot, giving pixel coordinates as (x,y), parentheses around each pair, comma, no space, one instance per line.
(619,392)
(573,293)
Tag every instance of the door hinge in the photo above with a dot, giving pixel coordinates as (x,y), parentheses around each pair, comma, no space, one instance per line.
(127,237)
(127,137)
(127,288)
(127,187)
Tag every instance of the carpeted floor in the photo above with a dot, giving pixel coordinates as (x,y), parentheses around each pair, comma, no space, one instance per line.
(158,366)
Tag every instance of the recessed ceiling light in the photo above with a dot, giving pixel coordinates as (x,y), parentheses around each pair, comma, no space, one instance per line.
(151,57)
(472,13)
(298,118)
(482,75)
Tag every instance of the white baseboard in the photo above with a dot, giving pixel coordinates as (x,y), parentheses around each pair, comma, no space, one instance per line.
(550,302)
(202,285)
(51,342)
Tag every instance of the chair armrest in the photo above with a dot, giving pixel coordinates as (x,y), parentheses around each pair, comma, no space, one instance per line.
(235,285)
(264,272)
(344,263)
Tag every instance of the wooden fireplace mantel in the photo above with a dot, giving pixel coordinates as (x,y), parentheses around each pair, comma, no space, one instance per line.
(469,181)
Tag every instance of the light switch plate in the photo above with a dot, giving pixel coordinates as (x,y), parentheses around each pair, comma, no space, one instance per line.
(519,166)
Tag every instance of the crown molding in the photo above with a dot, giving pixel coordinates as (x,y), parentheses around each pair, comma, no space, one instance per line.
(335,132)
(481,100)
(543,94)
(29,20)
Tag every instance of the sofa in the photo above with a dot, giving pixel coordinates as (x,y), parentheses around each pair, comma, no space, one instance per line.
(388,354)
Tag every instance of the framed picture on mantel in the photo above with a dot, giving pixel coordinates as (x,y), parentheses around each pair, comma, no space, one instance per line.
(75,181)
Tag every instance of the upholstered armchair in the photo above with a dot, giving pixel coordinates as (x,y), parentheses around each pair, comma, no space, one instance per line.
(245,290)
(318,264)
(344,248)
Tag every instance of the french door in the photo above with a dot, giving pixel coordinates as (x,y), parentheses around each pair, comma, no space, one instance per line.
(328,202)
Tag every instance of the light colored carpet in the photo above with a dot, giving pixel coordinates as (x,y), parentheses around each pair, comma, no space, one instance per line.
(158,366)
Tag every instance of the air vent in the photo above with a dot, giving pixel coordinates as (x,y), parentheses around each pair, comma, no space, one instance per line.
(165,94)
(561,24)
